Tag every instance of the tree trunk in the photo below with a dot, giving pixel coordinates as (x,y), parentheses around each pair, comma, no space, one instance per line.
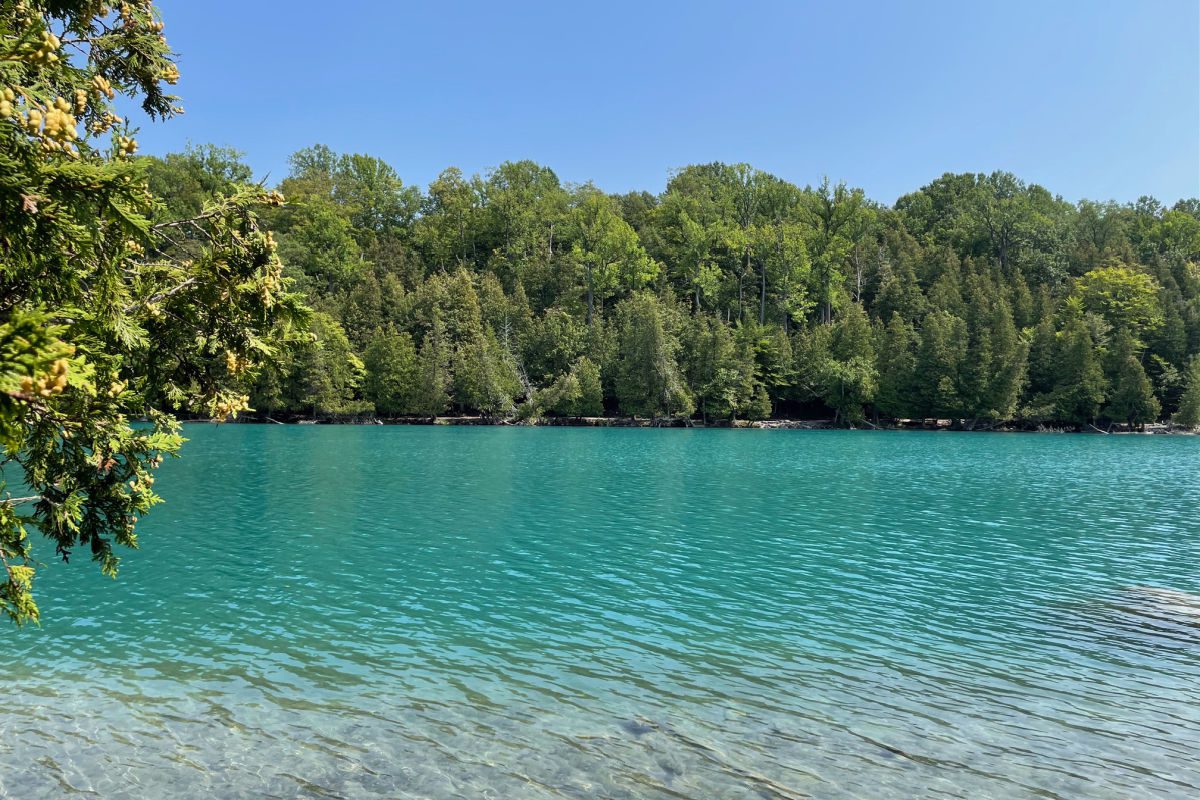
(762,302)
(858,277)
(589,296)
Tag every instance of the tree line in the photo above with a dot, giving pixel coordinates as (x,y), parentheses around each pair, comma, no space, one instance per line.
(732,294)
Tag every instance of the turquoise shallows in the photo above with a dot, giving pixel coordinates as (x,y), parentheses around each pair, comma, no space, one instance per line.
(548,613)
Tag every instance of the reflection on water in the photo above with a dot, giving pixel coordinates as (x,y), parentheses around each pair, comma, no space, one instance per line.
(347,612)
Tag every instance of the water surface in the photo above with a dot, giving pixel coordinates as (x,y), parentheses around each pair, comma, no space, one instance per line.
(549,613)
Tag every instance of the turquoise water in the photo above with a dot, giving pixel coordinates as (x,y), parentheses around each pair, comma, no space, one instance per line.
(549,613)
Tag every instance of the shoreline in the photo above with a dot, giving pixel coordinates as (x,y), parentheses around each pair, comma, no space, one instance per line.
(960,426)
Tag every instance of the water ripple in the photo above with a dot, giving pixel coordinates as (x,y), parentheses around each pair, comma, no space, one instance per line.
(556,613)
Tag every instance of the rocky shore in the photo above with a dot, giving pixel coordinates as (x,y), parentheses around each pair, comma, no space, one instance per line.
(768,424)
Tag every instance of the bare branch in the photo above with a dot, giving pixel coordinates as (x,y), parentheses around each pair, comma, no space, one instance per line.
(179,223)
(160,296)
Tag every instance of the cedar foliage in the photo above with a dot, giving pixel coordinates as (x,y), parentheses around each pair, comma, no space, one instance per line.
(113,304)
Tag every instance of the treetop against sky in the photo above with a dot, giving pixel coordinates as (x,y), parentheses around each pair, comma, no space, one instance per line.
(1098,100)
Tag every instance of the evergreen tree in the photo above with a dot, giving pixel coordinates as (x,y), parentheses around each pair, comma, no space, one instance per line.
(362,311)
(710,367)
(849,378)
(391,372)
(591,394)
(1132,398)
(1043,357)
(268,391)
(648,381)
(774,361)
(941,357)
(752,401)
(115,305)
(759,406)
(431,394)
(1080,386)
(506,316)
(995,365)
(1189,406)
(327,372)
(897,363)
(946,293)
(900,294)
(458,307)
(485,377)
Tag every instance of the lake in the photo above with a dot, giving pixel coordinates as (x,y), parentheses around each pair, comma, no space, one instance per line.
(626,613)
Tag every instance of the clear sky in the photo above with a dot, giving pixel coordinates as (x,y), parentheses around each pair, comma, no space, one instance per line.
(1090,98)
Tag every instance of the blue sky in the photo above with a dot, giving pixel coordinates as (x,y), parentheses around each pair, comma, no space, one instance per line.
(1091,99)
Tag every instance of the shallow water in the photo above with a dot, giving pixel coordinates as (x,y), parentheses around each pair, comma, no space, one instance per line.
(548,613)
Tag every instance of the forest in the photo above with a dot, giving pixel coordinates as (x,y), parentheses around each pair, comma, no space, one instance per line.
(730,295)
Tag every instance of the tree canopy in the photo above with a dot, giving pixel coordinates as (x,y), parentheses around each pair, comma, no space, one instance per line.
(735,294)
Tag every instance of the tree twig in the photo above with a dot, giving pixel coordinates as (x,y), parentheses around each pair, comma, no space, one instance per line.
(20,501)
(161,296)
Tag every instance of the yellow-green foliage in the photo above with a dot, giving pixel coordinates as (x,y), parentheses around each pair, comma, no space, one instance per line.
(105,316)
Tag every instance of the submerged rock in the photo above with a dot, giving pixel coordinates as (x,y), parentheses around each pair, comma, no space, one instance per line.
(636,727)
